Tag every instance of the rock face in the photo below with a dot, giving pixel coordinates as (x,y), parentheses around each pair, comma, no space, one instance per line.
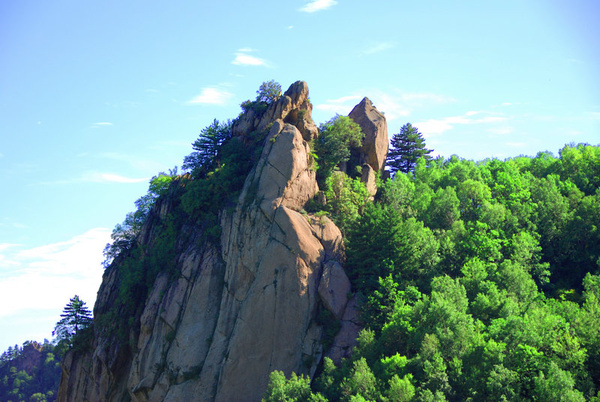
(234,313)
(293,107)
(374,126)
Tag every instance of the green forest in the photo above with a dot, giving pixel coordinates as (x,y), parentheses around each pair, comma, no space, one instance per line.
(30,372)
(479,281)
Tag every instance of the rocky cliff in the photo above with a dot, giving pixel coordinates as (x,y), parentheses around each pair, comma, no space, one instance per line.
(237,310)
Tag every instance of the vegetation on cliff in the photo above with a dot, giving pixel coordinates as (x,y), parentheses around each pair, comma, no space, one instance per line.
(214,174)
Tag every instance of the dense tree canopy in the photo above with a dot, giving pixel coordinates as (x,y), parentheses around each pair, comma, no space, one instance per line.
(333,146)
(31,372)
(480,281)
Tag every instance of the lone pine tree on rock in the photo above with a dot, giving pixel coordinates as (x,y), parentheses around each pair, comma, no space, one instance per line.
(407,147)
(75,318)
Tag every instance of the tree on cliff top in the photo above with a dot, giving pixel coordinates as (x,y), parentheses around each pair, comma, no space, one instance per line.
(268,92)
(407,147)
(75,318)
(206,148)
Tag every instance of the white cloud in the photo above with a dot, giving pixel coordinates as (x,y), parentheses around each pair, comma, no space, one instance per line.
(9,223)
(243,58)
(516,144)
(99,177)
(500,130)
(379,47)
(46,277)
(101,124)
(212,96)
(318,5)
(439,126)
(43,279)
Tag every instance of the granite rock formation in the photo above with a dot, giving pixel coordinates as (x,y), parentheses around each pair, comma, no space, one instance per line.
(240,309)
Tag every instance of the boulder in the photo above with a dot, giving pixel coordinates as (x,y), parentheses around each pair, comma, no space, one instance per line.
(374,126)
(369,179)
(345,340)
(334,288)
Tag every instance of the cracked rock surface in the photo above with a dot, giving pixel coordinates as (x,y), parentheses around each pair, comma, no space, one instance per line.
(239,311)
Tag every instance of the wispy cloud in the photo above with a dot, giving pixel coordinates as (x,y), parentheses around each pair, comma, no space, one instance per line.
(394,103)
(341,105)
(44,278)
(500,130)
(10,223)
(144,164)
(35,272)
(112,178)
(440,126)
(244,58)
(379,47)
(516,144)
(101,124)
(98,177)
(211,96)
(318,5)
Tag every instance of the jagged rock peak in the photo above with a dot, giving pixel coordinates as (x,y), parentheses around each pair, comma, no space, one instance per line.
(374,126)
(298,92)
(292,107)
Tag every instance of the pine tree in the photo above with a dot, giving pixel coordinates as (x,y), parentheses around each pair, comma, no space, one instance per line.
(407,147)
(75,318)
(207,146)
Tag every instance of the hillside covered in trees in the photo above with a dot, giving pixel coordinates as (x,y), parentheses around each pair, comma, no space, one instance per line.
(30,372)
(479,281)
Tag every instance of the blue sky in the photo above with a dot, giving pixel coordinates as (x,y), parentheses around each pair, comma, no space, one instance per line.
(97,97)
